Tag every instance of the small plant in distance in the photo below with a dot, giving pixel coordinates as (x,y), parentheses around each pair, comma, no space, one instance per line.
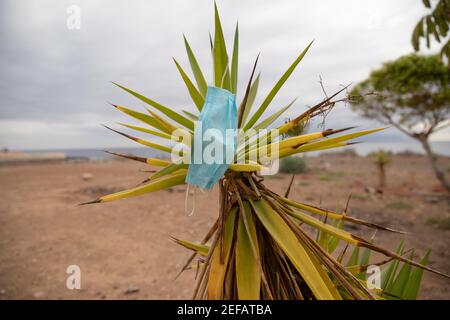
(293,165)
(258,247)
(381,161)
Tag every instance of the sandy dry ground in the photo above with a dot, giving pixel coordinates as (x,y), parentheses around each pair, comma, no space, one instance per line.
(124,250)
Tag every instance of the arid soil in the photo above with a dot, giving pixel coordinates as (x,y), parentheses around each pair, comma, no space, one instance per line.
(124,248)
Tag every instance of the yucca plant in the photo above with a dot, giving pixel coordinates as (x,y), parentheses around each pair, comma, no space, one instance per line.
(259,246)
(398,280)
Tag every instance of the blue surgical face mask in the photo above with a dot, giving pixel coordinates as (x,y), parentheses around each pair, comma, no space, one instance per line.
(218,115)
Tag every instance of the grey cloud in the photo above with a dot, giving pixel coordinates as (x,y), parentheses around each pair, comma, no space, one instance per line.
(59,79)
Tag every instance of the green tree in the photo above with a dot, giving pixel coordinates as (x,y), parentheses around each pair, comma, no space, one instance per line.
(412,94)
(436,23)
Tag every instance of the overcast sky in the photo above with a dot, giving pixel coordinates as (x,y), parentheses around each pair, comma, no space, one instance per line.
(55,82)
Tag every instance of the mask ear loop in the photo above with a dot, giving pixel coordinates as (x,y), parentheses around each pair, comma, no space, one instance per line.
(186,196)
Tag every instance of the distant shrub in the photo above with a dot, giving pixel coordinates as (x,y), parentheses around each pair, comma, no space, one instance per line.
(408,153)
(293,165)
(398,205)
(382,159)
(443,224)
(337,174)
(360,196)
(342,153)
(331,175)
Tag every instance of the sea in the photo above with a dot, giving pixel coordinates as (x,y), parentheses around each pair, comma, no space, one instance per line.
(98,154)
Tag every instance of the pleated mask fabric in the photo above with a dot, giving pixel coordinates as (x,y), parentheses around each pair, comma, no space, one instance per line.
(218,115)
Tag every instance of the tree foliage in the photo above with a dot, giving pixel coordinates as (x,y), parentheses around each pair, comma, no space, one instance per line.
(412,93)
(436,24)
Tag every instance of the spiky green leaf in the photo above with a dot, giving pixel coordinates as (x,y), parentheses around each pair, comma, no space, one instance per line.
(196,70)
(275,89)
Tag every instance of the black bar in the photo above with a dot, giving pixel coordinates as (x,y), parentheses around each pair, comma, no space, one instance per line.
(186,309)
